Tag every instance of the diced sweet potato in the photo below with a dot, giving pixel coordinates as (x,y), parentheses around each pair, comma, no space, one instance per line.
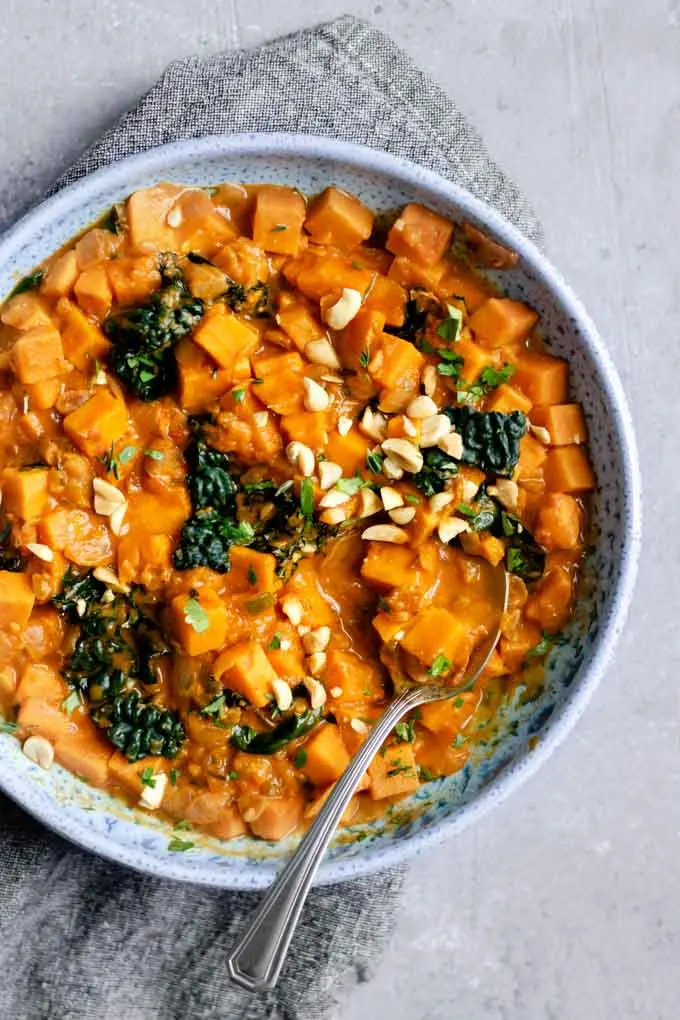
(350,680)
(229,825)
(38,354)
(274,818)
(475,359)
(286,653)
(147,213)
(281,388)
(41,718)
(134,279)
(308,427)
(501,322)
(8,684)
(396,364)
(485,545)
(297,320)
(357,341)
(304,585)
(394,773)
(93,293)
(40,681)
(550,604)
(339,219)
(251,571)
(350,450)
(567,469)
(16,599)
(437,632)
(24,492)
(388,297)
(25,311)
(82,536)
(128,774)
(44,394)
(327,756)
(144,558)
(564,422)
(278,219)
(543,378)
(86,754)
(96,246)
(62,273)
(420,234)
(243,261)
(531,464)
(559,522)
(458,280)
(387,626)
(225,337)
(206,282)
(159,514)
(199,622)
(200,381)
(451,716)
(388,566)
(83,340)
(97,423)
(319,273)
(507,398)
(198,225)
(245,668)
(413,275)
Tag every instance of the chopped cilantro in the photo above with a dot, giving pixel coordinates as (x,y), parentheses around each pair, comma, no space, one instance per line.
(147,777)
(364,359)
(307,497)
(440,666)
(275,642)
(410,498)
(239,395)
(375,461)
(127,453)
(252,575)
(450,328)
(215,707)
(425,774)
(8,727)
(232,775)
(196,616)
(300,759)
(70,704)
(406,731)
(180,845)
(350,486)
(278,228)
(174,776)
(182,825)
(153,454)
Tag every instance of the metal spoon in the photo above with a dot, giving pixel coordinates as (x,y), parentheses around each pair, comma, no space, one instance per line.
(256,961)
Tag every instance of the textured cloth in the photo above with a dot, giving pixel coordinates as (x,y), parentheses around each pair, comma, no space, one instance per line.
(80,938)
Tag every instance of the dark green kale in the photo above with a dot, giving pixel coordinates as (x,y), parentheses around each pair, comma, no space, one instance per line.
(255,300)
(245,738)
(285,526)
(490,438)
(437,470)
(415,320)
(30,282)
(523,555)
(206,540)
(10,557)
(209,480)
(117,657)
(113,221)
(144,338)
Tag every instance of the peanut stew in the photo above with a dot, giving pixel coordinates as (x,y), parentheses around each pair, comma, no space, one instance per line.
(257,452)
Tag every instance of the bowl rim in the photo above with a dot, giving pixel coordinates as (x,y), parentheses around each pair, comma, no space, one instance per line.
(158,161)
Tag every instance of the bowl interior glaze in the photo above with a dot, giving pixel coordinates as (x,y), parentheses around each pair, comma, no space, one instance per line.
(528,735)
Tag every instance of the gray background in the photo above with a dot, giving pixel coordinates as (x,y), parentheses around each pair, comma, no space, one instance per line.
(565,903)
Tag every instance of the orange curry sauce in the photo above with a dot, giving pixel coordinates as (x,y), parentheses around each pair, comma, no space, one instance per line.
(240,447)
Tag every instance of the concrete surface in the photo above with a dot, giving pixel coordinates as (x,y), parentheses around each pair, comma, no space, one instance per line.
(565,903)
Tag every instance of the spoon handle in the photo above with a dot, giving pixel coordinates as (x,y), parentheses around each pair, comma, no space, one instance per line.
(256,961)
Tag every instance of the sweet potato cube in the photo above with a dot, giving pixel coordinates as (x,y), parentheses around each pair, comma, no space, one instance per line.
(25,492)
(40,681)
(86,754)
(327,756)
(564,422)
(147,212)
(394,773)
(44,394)
(558,525)
(549,605)
(245,668)
(500,322)
(438,632)
(16,599)
(83,340)
(485,545)
(531,463)
(251,571)
(286,654)
(350,450)
(567,469)
(420,234)
(357,341)
(388,566)
(38,354)
(396,364)
(93,292)
(544,378)
(128,774)
(95,246)
(143,557)
(200,381)
(475,359)
(319,273)
(199,622)
(206,282)
(389,297)
(159,514)
(507,398)
(387,627)
(412,275)
(61,275)
(339,219)
(8,684)
(44,719)
(97,423)
(225,337)
(134,279)
(278,219)
(281,389)
(304,586)
(83,537)
(308,427)
(298,321)
(25,311)
(458,280)
(451,716)
(350,680)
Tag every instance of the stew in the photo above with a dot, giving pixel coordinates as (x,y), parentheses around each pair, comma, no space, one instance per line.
(257,453)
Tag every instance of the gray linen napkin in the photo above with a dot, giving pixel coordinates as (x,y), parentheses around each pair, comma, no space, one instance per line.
(83,939)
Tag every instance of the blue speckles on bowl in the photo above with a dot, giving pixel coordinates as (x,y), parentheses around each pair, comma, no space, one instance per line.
(90,817)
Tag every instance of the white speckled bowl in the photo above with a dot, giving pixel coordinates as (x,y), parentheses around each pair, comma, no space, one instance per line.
(97,822)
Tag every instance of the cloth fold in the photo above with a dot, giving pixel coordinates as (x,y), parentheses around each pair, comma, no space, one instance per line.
(81,938)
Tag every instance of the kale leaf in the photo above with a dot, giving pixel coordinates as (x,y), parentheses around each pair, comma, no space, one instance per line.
(138,728)
(78,591)
(30,282)
(209,481)
(144,337)
(415,320)
(438,468)
(10,557)
(206,539)
(245,738)
(490,438)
